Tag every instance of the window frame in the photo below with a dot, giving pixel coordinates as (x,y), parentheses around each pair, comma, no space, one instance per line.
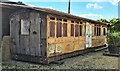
(65,22)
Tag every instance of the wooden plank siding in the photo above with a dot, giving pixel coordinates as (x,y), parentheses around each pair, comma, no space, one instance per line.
(45,35)
(67,44)
(34,43)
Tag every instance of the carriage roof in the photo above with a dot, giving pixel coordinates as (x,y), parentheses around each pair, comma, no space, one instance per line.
(51,11)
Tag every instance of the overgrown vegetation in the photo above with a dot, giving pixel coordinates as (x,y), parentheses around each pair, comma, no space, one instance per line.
(113,31)
(114,38)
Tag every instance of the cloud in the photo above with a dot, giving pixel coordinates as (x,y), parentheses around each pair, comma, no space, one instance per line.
(31,5)
(99,0)
(17,0)
(95,6)
(114,2)
(50,7)
(92,16)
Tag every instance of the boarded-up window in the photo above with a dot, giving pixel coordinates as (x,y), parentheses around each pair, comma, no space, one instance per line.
(64,29)
(80,30)
(76,30)
(52,29)
(59,29)
(25,26)
(72,29)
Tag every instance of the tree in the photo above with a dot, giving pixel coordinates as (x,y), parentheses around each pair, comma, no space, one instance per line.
(115,25)
(103,20)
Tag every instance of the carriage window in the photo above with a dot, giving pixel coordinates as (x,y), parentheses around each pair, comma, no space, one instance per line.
(81,22)
(25,26)
(99,31)
(76,30)
(52,18)
(95,29)
(52,29)
(104,31)
(59,29)
(77,22)
(80,30)
(64,20)
(59,19)
(72,29)
(64,29)
(72,21)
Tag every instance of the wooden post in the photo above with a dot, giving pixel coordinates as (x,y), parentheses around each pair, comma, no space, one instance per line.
(0,26)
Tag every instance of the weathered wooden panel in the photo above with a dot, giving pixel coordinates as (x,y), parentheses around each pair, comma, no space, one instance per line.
(82,45)
(33,34)
(23,44)
(17,33)
(82,42)
(68,47)
(5,51)
(58,49)
(76,45)
(93,41)
(59,40)
(13,34)
(24,32)
(51,49)
(43,17)
(1,26)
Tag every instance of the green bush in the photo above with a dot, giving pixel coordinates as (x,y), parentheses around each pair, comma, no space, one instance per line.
(114,38)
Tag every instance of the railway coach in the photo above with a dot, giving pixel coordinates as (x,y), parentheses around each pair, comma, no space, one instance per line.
(44,35)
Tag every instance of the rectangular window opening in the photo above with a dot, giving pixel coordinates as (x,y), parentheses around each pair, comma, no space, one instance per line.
(72,21)
(59,19)
(80,30)
(104,31)
(59,29)
(64,29)
(25,27)
(52,29)
(64,20)
(76,30)
(52,18)
(72,29)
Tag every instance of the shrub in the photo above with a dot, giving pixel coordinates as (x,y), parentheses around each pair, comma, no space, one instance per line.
(114,39)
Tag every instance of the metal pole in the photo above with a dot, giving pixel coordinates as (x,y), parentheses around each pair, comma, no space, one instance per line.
(69,7)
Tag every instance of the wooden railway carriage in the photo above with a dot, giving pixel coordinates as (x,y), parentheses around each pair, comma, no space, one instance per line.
(43,35)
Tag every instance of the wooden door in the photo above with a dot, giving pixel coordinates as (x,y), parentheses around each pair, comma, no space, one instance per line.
(88,35)
(30,35)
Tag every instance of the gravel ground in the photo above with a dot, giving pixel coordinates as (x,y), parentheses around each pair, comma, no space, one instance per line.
(93,60)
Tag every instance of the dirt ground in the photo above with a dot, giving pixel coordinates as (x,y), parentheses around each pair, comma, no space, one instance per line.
(92,60)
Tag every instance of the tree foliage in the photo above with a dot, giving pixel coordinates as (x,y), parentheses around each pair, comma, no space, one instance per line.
(114,24)
(103,20)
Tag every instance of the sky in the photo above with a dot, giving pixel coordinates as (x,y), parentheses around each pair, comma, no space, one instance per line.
(92,9)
